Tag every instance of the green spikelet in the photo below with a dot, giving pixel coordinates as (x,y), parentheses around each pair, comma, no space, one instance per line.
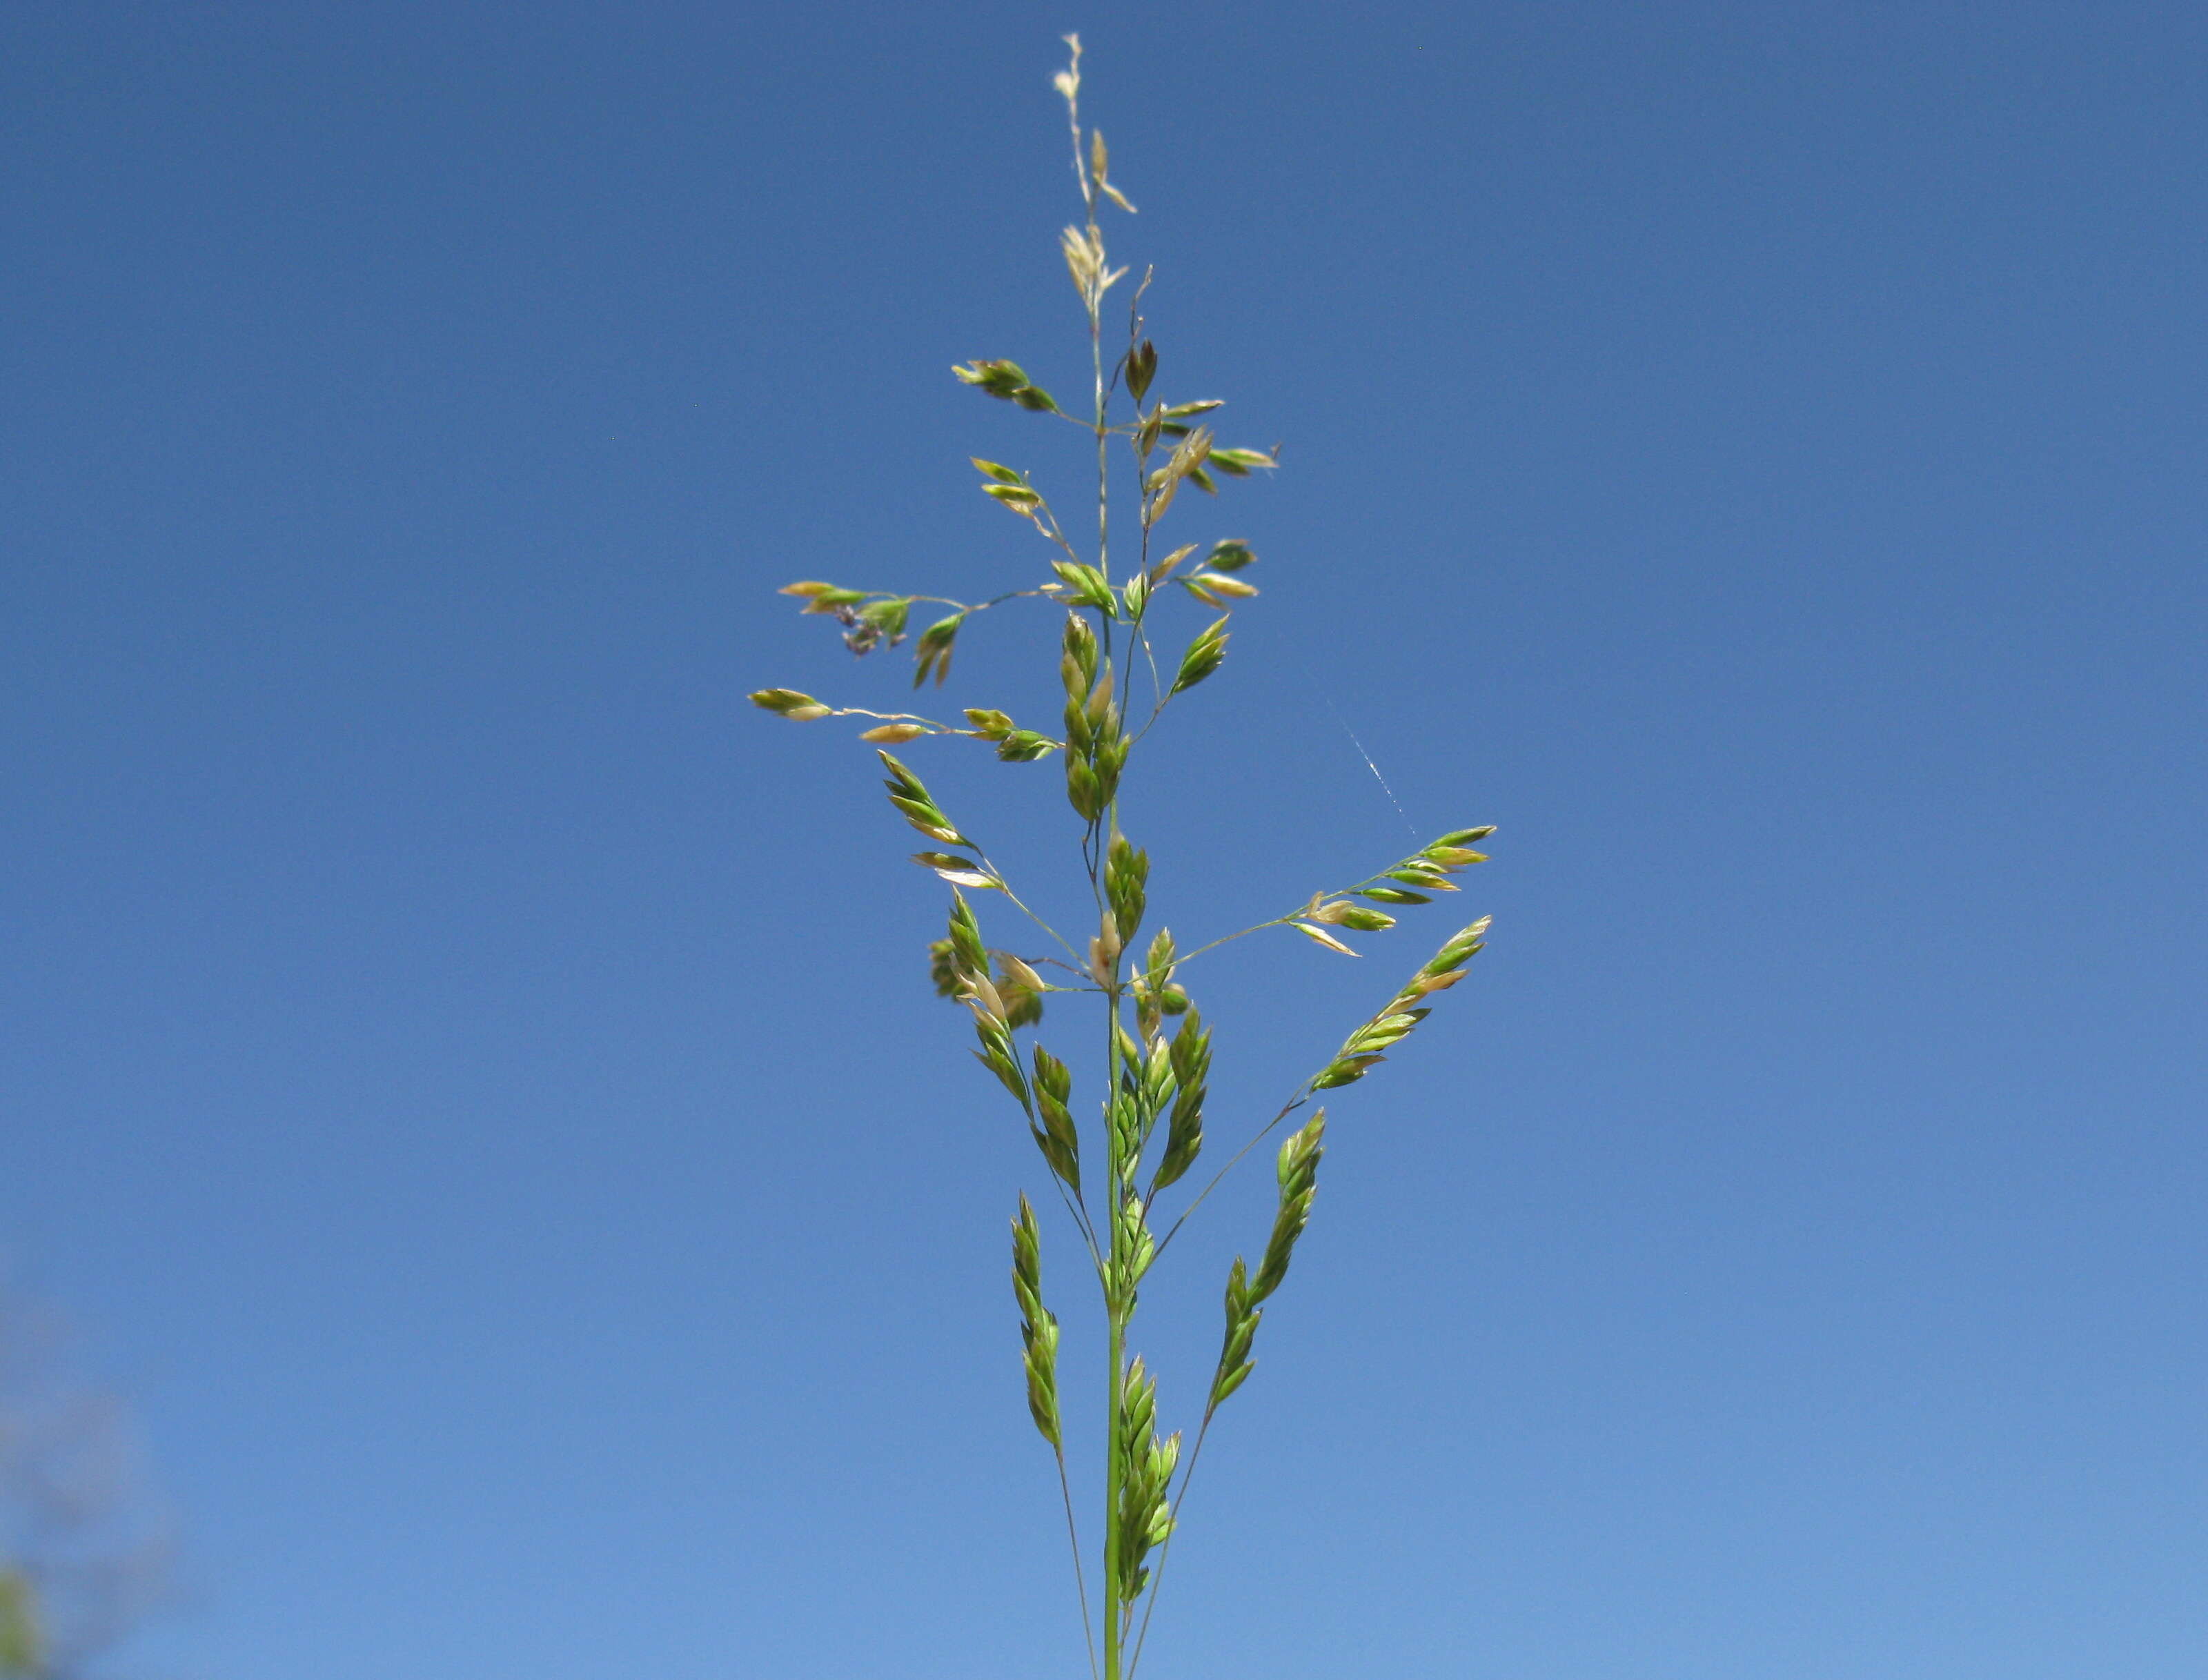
(1038,1326)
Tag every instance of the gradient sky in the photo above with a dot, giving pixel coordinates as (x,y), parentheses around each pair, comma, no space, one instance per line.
(472,1079)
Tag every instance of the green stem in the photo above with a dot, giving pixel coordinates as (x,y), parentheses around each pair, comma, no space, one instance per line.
(1112,1618)
(1115,1199)
(1115,1195)
(1063,944)
(1080,1576)
(1279,921)
(1263,1134)
(1229,938)
(1103,431)
(1078,1213)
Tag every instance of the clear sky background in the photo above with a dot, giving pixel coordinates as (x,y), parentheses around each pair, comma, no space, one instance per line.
(472,1079)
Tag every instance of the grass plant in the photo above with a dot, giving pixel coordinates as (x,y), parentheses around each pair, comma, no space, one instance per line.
(1117,1177)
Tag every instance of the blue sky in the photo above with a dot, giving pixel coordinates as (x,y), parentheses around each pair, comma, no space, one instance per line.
(472,1079)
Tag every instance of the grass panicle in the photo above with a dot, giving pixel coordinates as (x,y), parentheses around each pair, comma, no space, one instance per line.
(1154,1063)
